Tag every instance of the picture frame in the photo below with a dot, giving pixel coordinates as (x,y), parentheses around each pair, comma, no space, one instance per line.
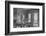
(10,12)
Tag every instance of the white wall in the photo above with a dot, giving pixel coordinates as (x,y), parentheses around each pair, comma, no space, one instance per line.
(2,18)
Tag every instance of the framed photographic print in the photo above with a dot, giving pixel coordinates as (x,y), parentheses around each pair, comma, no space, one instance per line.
(24,17)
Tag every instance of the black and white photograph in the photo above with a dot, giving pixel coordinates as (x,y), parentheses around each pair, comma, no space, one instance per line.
(24,18)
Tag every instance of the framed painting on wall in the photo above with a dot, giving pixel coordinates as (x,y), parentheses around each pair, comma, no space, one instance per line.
(24,17)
